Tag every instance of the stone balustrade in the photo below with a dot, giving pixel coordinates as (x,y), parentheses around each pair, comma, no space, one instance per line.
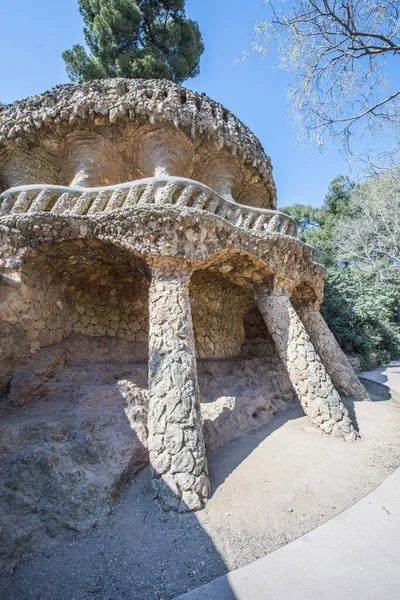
(162,190)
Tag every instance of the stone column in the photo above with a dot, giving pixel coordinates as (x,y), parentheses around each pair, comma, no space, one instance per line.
(176,444)
(313,386)
(338,367)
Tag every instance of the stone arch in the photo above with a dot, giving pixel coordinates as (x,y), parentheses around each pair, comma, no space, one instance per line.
(89,160)
(158,149)
(93,291)
(240,267)
(303,294)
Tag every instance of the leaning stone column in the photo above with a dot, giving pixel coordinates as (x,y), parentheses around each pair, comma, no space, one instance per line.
(338,367)
(314,388)
(176,444)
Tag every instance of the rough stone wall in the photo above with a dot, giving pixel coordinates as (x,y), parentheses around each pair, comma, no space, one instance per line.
(73,289)
(112,303)
(218,307)
(33,164)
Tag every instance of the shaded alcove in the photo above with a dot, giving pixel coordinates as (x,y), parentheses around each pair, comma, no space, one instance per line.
(218,307)
(90,288)
(91,291)
(242,381)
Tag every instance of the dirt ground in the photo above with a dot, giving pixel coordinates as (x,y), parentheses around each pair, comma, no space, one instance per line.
(268,487)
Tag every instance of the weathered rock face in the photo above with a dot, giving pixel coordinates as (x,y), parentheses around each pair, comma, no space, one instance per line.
(80,434)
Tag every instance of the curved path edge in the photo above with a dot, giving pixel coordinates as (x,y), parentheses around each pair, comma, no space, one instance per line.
(355,554)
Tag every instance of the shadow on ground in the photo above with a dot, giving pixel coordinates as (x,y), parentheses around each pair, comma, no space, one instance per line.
(140,552)
(111,561)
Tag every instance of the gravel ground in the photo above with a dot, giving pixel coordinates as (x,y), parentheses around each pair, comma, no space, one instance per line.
(269,487)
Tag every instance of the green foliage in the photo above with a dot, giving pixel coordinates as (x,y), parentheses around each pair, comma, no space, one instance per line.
(359,306)
(361,312)
(143,38)
(316,225)
(337,200)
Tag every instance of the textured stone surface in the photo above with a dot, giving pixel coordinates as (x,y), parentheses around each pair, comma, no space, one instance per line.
(65,458)
(337,365)
(176,443)
(88,275)
(218,308)
(73,288)
(73,429)
(89,159)
(115,112)
(314,388)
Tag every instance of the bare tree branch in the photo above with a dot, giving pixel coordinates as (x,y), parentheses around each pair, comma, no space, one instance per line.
(337,50)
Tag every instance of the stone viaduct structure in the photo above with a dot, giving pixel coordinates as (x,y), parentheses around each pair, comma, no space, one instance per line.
(142,211)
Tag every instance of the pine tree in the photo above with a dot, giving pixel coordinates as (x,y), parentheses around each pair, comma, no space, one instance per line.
(141,38)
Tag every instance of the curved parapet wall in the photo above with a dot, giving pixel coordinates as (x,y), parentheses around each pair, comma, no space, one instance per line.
(162,190)
(142,127)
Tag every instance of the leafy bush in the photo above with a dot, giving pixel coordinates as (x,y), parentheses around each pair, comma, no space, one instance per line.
(361,312)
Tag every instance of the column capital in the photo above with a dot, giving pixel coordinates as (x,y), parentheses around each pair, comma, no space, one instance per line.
(169,269)
(276,285)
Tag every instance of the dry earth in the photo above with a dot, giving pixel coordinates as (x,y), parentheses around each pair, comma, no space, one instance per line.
(269,487)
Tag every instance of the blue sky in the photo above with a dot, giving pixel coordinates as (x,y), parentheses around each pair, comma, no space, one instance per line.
(34,34)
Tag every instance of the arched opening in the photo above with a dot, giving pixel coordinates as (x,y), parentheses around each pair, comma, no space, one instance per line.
(82,302)
(242,381)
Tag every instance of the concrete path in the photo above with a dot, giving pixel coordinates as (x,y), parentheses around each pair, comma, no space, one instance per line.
(389,375)
(354,555)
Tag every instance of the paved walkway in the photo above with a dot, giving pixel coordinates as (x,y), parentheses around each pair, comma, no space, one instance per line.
(354,555)
(389,375)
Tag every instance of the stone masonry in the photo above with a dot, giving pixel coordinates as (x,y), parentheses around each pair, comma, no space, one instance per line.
(319,399)
(176,444)
(338,367)
(139,219)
